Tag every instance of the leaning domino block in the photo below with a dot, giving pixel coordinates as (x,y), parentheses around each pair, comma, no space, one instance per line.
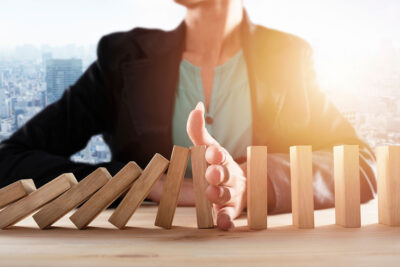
(347,185)
(15,191)
(106,195)
(302,186)
(257,180)
(172,186)
(26,206)
(53,211)
(388,167)
(139,190)
(204,211)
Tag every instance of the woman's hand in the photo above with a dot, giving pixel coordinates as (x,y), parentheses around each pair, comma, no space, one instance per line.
(226,178)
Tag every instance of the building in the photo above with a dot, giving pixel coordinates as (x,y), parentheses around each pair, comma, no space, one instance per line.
(4,109)
(45,57)
(60,74)
(1,79)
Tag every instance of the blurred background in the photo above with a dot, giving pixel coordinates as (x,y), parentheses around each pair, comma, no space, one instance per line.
(45,46)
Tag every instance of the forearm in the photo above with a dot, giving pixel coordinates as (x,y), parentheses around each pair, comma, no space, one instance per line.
(186,194)
(17,163)
(279,174)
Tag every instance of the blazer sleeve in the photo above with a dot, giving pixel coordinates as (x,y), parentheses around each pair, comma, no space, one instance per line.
(326,128)
(41,148)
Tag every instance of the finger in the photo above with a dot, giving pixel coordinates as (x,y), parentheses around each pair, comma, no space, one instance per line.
(218,194)
(218,155)
(218,175)
(214,175)
(196,129)
(225,217)
(215,154)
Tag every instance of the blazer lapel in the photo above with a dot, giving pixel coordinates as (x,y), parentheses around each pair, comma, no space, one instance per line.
(149,88)
(150,84)
(266,95)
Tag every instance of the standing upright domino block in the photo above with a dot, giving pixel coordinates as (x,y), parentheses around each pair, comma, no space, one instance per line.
(53,211)
(139,190)
(35,200)
(347,185)
(388,165)
(106,195)
(172,186)
(204,211)
(15,191)
(302,186)
(257,182)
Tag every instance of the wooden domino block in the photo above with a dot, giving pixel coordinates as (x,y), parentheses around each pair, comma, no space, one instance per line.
(106,195)
(257,180)
(35,200)
(347,185)
(388,167)
(204,211)
(139,190)
(15,191)
(68,201)
(172,186)
(302,186)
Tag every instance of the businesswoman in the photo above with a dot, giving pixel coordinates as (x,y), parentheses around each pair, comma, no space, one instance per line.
(216,80)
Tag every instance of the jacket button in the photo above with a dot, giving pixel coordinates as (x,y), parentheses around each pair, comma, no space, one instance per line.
(209,120)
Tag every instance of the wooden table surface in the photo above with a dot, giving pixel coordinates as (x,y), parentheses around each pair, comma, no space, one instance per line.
(143,244)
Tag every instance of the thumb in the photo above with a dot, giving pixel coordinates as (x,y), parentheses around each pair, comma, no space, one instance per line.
(196,129)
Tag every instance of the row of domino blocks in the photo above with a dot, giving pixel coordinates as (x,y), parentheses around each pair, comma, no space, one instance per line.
(98,191)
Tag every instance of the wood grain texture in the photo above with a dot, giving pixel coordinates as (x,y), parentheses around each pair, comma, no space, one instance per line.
(144,244)
(15,191)
(257,182)
(172,187)
(35,200)
(106,195)
(139,190)
(71,199)
(388,167)
(302,186)
(347,185)
(204,210)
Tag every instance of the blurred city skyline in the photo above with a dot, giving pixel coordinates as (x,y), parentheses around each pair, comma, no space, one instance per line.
(345,35)
(356,50)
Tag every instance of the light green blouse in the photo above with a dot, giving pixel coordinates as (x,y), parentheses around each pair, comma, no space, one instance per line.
(230,105)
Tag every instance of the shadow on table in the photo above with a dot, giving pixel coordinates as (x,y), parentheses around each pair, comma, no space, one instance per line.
(179,233)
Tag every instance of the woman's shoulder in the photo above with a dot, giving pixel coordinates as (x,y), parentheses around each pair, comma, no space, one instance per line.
(118,47)
(120,39)
(280,38)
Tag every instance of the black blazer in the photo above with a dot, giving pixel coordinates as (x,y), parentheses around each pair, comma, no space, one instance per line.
(128,94)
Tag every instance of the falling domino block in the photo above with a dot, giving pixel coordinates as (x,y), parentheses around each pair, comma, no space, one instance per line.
(54,210)
(388,166)
(139,190)
(347,185)
(15,191)
(35,200)
(172,186)
(106,195)
(302,186)
(204,211)
(257,180)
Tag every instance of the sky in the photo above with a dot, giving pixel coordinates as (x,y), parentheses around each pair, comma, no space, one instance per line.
(58,22)
(345,34)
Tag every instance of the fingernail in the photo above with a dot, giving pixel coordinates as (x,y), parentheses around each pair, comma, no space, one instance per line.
(200,106)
